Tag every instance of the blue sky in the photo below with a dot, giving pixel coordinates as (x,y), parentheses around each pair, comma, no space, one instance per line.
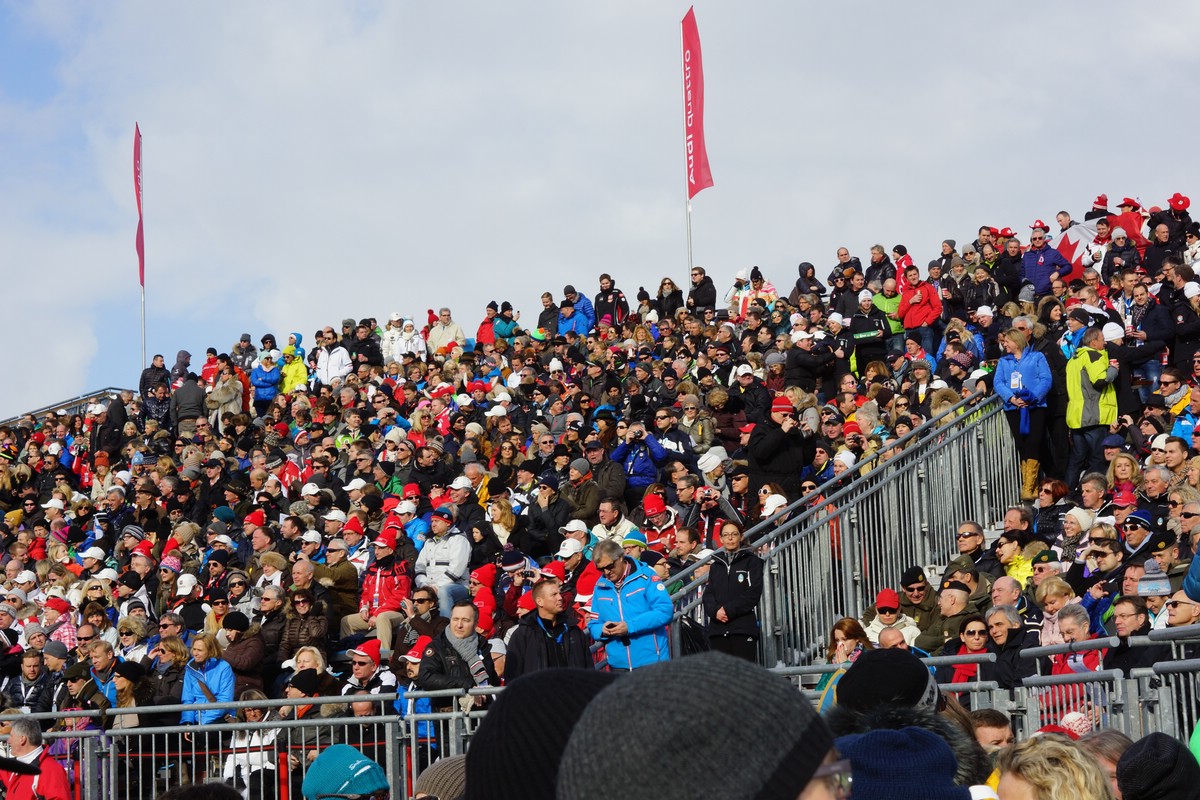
(309,161)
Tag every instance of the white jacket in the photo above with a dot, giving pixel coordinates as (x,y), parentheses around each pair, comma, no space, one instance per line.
(444,559)
(904,624)
(441,335)
(333,364)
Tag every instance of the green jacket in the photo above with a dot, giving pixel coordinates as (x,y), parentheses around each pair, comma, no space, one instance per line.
(1091,398)
(888,305)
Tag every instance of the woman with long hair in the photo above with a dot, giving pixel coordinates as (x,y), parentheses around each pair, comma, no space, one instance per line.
(1051,768)
(1124,474)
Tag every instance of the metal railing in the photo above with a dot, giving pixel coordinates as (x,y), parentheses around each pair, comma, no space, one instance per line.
(829,553)
(73,405)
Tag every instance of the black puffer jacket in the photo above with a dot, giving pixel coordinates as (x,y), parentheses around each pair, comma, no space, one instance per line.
(735,584)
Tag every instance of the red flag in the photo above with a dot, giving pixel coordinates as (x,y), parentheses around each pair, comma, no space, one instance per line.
(137,190)
(1132,222)
(699,176)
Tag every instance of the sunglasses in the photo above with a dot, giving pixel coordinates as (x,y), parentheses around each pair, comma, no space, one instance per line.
(363,663)
(961,536)
(764,490)
(85,638)
(887,610)
(1190,514)
(914,589)
(237,584)
(975,632)
(808,487)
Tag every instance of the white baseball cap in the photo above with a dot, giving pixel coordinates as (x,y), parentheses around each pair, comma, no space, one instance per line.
(185,585)
(357,483)
(772,504)
(312,537)
(93,552)
(569,547)
(461,482)
(336,514)
(53,502)
(309,489)
(574,526)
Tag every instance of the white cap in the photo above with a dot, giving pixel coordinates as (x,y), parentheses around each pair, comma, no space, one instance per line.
(221,538)
(396,316)
(461,482)
(574,526)
(185,584)
(838,318)
(744,369)
(406,507)
(357,483)
(708,462)
(502,397)
(26,576)
(772,504)
(846,457)
(1191,289)
(54,448)
(336,514)
(312,537)
(743,275)
(53,502)
(309,489)
(938,383)
(800,336)
(1113,331)
(977,374)
(93,552)
(107,574)
(985,311)
(569,547)
(463,400)
(1159,442)
(496,411)
(124,476)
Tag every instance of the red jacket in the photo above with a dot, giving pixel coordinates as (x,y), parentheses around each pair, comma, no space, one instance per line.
(919,313)
(52,783)
(384,587)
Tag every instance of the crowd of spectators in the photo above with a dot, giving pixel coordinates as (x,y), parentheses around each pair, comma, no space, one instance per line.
(447,510)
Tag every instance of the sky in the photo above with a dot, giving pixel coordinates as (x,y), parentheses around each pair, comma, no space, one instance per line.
(310,161)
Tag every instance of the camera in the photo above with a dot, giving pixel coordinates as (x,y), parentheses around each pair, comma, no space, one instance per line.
(639,434)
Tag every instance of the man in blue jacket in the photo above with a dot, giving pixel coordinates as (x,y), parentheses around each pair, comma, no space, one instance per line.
(632,610)
(582,306)
(1043,264)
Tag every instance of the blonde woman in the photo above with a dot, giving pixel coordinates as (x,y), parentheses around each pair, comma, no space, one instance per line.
(1124,474)
(504,522)
(1051,768)
(1052,595)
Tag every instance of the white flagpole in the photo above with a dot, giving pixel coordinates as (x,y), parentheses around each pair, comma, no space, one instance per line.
(687,201)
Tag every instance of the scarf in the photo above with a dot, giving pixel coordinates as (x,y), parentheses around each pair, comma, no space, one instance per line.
(468,648)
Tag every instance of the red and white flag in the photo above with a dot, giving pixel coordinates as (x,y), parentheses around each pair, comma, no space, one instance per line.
(1132,223)
(137,190)
(699,176)
(1074,243)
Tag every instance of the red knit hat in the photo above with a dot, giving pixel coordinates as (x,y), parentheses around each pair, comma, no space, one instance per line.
(653,504)
(486,575)
(781,405)
(258,517)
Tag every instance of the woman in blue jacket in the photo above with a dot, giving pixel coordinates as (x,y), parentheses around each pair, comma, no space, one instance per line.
(206,680)
(1023,380)
(265,378)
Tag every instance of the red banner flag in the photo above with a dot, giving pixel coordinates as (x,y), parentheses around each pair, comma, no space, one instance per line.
(699,176)
(137,190)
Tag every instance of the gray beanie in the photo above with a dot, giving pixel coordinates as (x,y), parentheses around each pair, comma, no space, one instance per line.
(755,736)
(581,466)
(950,242)
(445,779)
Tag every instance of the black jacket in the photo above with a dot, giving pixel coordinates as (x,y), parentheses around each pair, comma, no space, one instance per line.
(702,295)
(735,584)
(443,668)
(778,457)
(805,366)
(1010,669)
(1125,658)
(534,646)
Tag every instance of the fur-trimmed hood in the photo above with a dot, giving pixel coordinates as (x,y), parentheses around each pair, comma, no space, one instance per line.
(974,766)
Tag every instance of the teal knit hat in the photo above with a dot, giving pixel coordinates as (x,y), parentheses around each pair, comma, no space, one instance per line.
(340,769)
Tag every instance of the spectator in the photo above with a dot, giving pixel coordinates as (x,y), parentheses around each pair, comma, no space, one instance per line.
(732,595)
(442,563)
(549,637)
(1009,637)
(458,657)
(1047,767)
(631,608)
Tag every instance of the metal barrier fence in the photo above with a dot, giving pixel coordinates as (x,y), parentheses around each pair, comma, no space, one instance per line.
(828,553)
(72,405)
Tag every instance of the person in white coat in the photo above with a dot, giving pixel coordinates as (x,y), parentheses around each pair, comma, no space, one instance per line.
(333,360)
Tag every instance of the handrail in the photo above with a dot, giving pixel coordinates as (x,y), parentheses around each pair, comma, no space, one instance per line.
(857,478)
(66,405)
(1075,677)
(1102,643)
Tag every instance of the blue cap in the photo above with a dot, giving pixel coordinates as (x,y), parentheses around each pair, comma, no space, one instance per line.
(1113,440)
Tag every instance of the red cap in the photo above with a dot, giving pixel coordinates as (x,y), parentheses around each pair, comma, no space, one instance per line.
(144,548)
(1179,202)
(781,405)
(418,649)
(399,396)
(851,427)
(653,504)
(442,390)
(555,569)
(386,539)
(486,575)
(38,437)
(1007,233)
(526,602)
(747,428)
(1124,497)
(1129,201)
(258,517)
(370,648)
(1101,201)
(58,604)
(389,505)
(411,490)
(887,598)
(283,430)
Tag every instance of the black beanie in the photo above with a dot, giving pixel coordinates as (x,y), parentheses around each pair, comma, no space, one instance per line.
(235,621)
(526,730)
(886,676)
(642,294)
(755,736)
(1157,767)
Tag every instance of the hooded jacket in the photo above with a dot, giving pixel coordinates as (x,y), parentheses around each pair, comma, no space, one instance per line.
(643,604)
(444,560)
(735,584)
(218,676)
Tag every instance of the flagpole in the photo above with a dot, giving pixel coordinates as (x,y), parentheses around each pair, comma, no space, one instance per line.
(687,200)
(141,216)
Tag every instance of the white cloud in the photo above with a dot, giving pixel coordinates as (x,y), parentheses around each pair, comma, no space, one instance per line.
(307,161)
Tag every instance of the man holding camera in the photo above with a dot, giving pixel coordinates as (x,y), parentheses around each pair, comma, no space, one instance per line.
(641,455)
(779,448)
(631,609)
